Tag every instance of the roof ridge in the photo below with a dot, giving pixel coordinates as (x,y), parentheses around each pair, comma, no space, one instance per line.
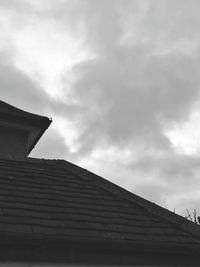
(32,160)
(46,161)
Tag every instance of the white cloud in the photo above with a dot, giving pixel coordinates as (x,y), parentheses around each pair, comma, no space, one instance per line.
(46,53)
(44,48)
(185,136)
(68,131)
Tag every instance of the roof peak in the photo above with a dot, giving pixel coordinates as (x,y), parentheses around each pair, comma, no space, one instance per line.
(20,130)
(15,111)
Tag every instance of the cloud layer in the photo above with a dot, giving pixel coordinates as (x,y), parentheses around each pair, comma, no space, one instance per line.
(116,77)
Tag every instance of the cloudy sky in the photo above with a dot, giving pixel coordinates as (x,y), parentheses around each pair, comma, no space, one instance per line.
(121,81)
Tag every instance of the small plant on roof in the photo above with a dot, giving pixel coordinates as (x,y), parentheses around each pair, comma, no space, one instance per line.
(194,218)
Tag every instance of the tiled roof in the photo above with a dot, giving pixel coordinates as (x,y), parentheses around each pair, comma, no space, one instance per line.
(56,199)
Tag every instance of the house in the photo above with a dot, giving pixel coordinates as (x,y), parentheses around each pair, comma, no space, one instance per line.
(55,213)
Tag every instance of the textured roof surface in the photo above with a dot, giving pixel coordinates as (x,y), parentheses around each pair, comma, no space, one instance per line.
(54,198)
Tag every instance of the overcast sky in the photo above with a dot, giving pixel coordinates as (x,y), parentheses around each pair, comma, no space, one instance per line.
(121,81)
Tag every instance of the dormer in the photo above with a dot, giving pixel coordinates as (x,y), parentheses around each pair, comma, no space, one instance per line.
(19,131)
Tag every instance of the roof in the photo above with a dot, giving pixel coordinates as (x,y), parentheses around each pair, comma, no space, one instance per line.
(35,124)
(12,111)
(55,199)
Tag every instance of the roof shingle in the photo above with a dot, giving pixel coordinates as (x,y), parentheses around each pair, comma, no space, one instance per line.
(54,198)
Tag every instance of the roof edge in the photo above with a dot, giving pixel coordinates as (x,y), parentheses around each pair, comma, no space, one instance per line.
(177,220)
(43,130)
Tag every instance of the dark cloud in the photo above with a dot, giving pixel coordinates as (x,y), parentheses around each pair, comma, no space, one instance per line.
(171,167)
(128,96)
(19,89)
(126,93)
(130,91)
(170,179)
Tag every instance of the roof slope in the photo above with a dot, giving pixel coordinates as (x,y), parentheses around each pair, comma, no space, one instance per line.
(56,199)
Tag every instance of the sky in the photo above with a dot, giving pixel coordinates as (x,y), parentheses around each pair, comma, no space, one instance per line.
(120,80)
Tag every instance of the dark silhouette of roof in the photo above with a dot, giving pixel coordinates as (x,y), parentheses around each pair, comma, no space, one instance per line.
(10,113)
(57,199)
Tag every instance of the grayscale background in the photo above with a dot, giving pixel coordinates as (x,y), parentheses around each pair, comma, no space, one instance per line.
(121,81)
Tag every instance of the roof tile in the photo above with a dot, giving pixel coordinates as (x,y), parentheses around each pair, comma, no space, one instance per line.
(57,198)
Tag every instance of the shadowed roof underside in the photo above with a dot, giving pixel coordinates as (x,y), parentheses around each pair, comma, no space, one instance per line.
(34,124)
